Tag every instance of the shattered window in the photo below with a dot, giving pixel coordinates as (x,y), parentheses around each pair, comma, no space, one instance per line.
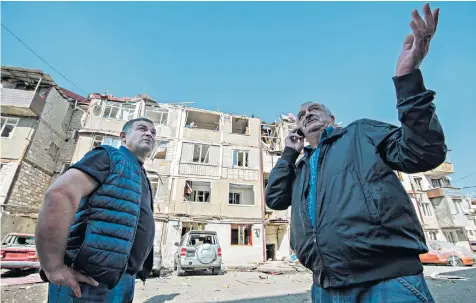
(118,111)
(158,115)
(106,140)
(241,235)
(201,153)
(155,183)
(160,151)
(197,191)
(8,125)
(240,158)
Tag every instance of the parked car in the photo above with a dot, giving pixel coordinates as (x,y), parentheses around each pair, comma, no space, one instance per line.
(198,250)
(445,253)
(19,252)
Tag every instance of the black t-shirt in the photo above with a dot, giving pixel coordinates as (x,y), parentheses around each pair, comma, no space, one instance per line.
(96,164)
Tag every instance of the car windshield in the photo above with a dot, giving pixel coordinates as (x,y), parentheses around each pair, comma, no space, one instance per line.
(195,240)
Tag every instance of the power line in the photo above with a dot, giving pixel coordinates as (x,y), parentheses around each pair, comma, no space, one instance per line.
(29,48)
(474,173)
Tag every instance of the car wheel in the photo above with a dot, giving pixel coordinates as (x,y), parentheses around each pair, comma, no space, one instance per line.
(216,271)
(180,271)
(455,261)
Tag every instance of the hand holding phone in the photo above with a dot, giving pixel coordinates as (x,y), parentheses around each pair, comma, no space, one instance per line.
(295,139)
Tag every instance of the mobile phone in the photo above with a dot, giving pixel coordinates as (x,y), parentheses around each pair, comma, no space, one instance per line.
(299,132)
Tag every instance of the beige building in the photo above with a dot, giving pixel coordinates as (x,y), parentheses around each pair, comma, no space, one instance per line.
(444,211)
(205,171)
(36,125)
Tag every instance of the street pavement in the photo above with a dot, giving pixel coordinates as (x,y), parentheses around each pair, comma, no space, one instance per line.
(248,287)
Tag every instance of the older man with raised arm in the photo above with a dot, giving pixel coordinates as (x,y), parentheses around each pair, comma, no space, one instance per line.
(352,221)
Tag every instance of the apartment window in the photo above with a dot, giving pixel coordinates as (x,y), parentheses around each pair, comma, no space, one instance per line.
(106,140)
(155,183)
(432,235)
(160,151)
(240,158)
(426,207)
(450,236)
(470,233)
(8,125)
(158,115)
(197,191)
(241,194)
(418,183)
(53,150)
(241,235)
(118,111)
(201,153)
(441,182)
(458,206)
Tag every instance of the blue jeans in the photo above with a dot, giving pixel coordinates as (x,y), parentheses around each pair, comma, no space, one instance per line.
(122,293)
(408,289)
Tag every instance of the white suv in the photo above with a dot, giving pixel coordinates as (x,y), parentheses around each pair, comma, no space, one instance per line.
(198,250)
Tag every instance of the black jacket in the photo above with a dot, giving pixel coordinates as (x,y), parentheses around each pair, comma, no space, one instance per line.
(367,228)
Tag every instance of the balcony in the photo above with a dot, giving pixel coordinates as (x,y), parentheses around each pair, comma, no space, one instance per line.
(444,191)
(17,102)
(444,169)
(199,169)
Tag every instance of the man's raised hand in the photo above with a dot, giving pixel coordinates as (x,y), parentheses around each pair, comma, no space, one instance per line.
(417,44)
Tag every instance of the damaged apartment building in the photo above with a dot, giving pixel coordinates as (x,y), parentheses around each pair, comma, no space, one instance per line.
(205,171)
(37,140)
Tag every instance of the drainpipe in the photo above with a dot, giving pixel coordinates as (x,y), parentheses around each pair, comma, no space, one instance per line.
(263,202)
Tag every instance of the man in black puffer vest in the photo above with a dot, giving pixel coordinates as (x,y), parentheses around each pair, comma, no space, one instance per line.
(106,201)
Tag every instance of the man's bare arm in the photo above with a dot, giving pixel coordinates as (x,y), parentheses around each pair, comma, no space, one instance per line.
(56,215)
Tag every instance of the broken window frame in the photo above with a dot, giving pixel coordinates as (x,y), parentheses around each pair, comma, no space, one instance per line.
(155,183)
(246,158)
(124,111)
(11,122)
(202,159)
(113,139)
(200,125)
(157,151)
(194,196)
(245,131)
(244,235)
(164,115)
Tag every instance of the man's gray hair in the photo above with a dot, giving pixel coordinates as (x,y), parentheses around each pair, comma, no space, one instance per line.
(325,107)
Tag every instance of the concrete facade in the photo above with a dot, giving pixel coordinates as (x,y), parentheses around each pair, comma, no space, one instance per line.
(32,146)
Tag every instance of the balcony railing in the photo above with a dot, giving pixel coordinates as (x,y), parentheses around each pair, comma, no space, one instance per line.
(445,168)
(444,191)
(19,102)
(199,169)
